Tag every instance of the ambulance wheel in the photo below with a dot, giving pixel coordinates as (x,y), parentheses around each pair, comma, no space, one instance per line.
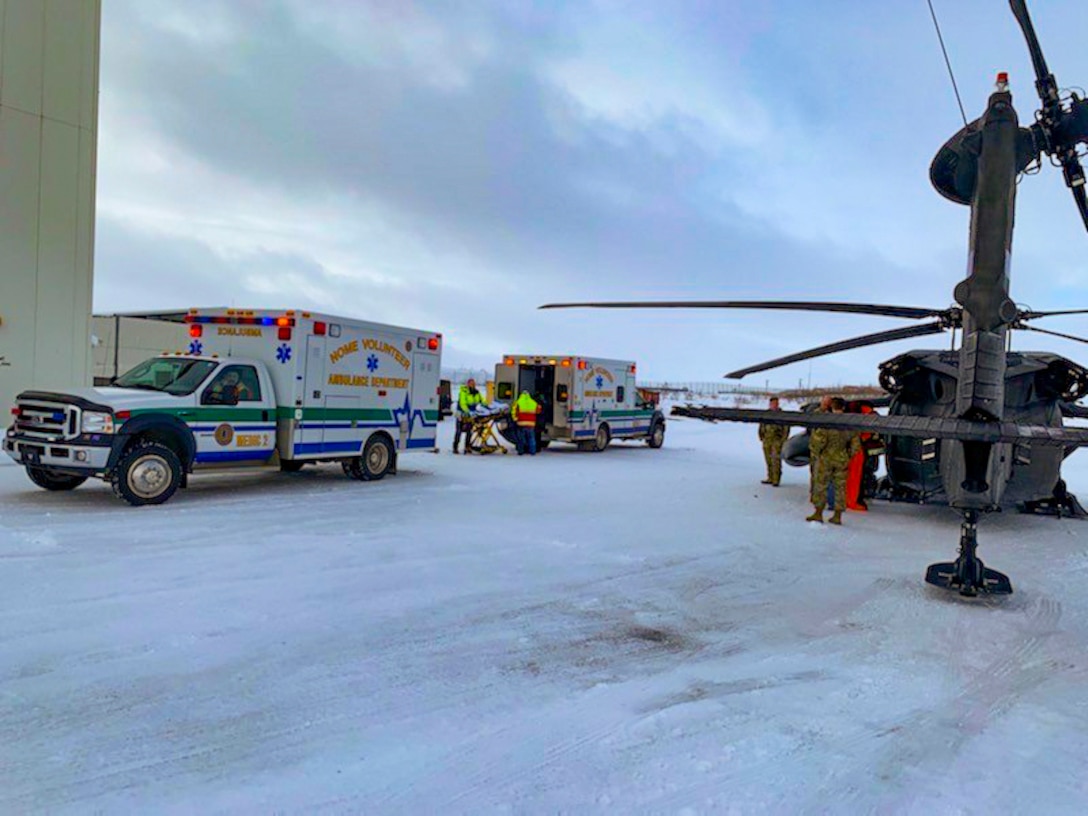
(147,473)
(291,465)
(51,480)
(601,440)
(657,435)
(376,461)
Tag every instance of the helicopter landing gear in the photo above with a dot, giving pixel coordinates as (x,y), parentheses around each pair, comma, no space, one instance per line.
(1061,504)
(967,573)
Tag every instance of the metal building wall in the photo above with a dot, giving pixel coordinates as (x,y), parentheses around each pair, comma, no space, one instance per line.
(48,141)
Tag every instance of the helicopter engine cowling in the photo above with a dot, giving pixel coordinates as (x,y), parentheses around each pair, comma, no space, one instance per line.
(924,384)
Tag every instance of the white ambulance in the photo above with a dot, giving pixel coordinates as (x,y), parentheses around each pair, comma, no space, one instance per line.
(253,389)
(586,400)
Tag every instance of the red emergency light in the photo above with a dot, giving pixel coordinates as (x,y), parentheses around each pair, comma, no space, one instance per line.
(581,365)
(196,330)
(432,344)
(284,333)
(320,327)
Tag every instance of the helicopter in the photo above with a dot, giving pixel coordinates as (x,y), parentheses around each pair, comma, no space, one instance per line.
(979,426)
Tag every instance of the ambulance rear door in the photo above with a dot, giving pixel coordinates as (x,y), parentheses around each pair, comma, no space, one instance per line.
(506,381)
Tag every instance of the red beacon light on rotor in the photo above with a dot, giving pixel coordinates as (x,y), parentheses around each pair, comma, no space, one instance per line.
(1003,81)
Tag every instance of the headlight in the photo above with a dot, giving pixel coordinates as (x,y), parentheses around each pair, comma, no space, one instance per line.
(97,423)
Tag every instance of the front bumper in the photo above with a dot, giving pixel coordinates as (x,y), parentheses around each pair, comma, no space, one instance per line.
(84,455)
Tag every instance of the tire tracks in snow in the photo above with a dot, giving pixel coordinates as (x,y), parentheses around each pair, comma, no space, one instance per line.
(931,738)
(909,745)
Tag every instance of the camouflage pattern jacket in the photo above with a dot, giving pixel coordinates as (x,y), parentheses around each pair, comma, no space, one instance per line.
(773,433)
(834,447)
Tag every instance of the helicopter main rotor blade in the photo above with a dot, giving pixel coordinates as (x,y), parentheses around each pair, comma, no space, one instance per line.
(1079,195)
(1058,131)
(1044,79)
(1037,315)
(1055,334)
(789,305)
(843,345)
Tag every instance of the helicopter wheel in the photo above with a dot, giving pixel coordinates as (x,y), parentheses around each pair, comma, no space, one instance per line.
(968,574)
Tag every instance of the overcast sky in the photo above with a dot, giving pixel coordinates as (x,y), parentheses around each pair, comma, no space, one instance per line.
(451,166)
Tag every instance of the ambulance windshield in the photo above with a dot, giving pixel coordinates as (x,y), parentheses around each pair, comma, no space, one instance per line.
(173,375)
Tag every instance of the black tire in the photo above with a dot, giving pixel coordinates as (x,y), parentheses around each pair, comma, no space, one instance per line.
(147,473)
(51,480)
(602,438)
(657,435)
(377,460)
(291,465)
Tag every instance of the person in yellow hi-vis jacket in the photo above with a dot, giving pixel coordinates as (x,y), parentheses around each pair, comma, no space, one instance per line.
(524,413)
(467,400)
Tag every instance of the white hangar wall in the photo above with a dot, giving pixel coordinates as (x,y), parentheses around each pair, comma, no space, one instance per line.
(48,147)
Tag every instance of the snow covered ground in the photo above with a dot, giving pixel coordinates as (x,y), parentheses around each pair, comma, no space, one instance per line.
(636,631)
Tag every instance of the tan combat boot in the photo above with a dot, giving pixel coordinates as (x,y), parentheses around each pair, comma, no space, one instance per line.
(817,515)
(836,517)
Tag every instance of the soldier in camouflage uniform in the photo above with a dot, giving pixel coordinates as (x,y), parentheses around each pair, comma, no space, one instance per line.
(773,438)
(824,408)
(831,451)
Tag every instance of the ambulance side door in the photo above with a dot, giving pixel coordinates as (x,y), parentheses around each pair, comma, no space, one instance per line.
(310,436)
(424,397)
(236,418)
(564,394)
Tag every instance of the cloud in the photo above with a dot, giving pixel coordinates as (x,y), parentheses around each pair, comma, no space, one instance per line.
(453,168)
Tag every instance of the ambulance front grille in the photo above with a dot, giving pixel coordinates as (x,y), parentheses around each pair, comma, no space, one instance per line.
(47,421)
